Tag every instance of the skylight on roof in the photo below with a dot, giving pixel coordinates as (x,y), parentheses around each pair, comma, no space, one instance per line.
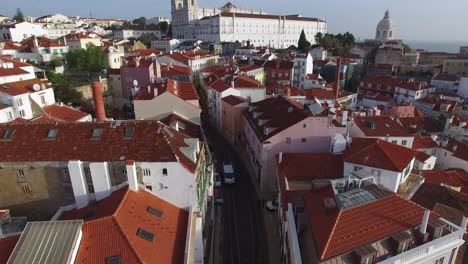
(113,260)
(96,132)
(145,234)
(9,134)
(154,211)
(52,133)
(129,131)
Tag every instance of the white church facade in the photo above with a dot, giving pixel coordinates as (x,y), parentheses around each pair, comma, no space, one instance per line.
(230,23)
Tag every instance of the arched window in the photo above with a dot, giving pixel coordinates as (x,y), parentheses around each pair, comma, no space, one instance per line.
(384,34)
(193,2)
(179,6)
(391,34)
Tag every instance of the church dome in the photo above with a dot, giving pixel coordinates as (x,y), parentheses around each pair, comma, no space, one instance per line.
(385,28)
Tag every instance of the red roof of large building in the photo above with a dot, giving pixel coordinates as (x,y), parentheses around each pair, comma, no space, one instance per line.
(452,177)
(459,149)
(9,67)
(174,70)
(219,85)
(147,52)
(419,124)
(320,93)
(380,126)
(111,226)
(378,153)
(184,90)
(7,245)
(64,113)
(152,141)
(337,231)
(311,166)
(23,87)
(183,125)
(43,42)
(446,77)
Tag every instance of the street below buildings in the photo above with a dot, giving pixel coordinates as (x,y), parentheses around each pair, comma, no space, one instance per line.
(241,232)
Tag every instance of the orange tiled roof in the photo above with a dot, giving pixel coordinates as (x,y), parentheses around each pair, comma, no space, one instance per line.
(184,90)
(147,52)
(244,81)
(338,231)
(170,70)
(191,130)
(234,100)
(64,113)
(378,153)
(152,142)
(111,226)
(458,148)
(452,177)
(384,126)
(421,142)
(320,93)
(22,87)
(418,124)
(10,45)
(219,86)
(446,77)
(42,41)
(311,166)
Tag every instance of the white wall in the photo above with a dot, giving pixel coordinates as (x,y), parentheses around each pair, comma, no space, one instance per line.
(6,114)
(388,179)
(429,164)
(22,31)
(255,94)
(463,87)
(178,187)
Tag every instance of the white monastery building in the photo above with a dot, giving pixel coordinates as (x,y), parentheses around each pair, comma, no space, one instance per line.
(230,23)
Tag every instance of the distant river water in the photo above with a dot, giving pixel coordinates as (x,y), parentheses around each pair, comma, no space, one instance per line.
(441,46)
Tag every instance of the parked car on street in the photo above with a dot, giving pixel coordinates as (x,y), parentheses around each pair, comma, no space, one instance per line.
(218,195)
(228,174)
(218,181)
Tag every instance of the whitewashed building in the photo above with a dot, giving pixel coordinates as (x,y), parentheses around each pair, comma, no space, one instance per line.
(303,67)
(16,32)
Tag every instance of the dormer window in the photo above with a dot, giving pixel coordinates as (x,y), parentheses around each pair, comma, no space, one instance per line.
(52,133)
(96,133)
(8,134)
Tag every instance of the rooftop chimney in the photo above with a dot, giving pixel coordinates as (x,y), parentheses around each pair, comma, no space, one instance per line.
(338,77)
(280,157)
(99,102)
(101,179)
(425,221)
(36,43)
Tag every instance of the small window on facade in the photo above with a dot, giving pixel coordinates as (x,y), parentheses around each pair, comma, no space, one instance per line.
(22,113)
(403,142)
(145,234)
(303,140)
(434,152)
(164,171)
(65,172)
(288,140)
(8,134)
(146,172)
(96,132)
(440,261)
(357,168)
(129,131)
(52,133)
(149,187)
(304,125)
(394,142)
(124,172)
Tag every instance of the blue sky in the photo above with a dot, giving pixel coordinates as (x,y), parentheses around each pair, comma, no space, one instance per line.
(430,20)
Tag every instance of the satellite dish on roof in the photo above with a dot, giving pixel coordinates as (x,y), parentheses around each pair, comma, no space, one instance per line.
(36,87)
(135,83)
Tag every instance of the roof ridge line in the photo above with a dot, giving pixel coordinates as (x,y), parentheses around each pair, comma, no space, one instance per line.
(331,233)
(124,235)
(385,153)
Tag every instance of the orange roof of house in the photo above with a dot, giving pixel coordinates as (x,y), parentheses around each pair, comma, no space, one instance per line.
(421,142)
(311,166)
(152,142)
(22,87)
(234,100)
(64,113)
(421,156)
(111,225)
(419,124)
(191,130)
(10,45)
(184,90)
(147,52)
(244,81)
(7,245)
(320,93)
(378,153)
(219,85)
(250,68)
(452,177)
(16,63)
(446,77)
(458,148)
(43,42)
(338,231)
(384,126)
(171,69)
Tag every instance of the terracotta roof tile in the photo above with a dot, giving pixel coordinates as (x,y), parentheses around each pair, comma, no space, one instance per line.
(174,70)
(112,229)
(22,87)
(250,68)
(234,100)
(244,81)
(446,77)
(7,245)
(421,142)
(383,126)
(190,129)
(338,231)
(428,195)
(459,149)
(420,124)
(43,42)
(421,156)
(184,90)
(219,86)
(279,114)
(378,153)
(320,93)
(147,52)
(452,177)
(311,166)
(152,141)
(64,113)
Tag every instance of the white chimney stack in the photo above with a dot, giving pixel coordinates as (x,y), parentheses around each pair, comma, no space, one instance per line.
(132,175)
(101,180)
(79,184)
(344,118)
(425,221)
(280,157)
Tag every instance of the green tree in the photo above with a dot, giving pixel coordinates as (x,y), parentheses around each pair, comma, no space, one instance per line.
(163,26)
(56,62)
(318,38)
(91,59)
(126,24)
(348,40)
(63,90)
(139,21)
(147,38)
(303,45)
(19,16)
(406,48)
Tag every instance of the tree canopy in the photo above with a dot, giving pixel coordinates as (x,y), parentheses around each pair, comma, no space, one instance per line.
(303,45)
(63,89)
(331,41)
(91,59)
(140,21)
(147,38)
(19,16)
